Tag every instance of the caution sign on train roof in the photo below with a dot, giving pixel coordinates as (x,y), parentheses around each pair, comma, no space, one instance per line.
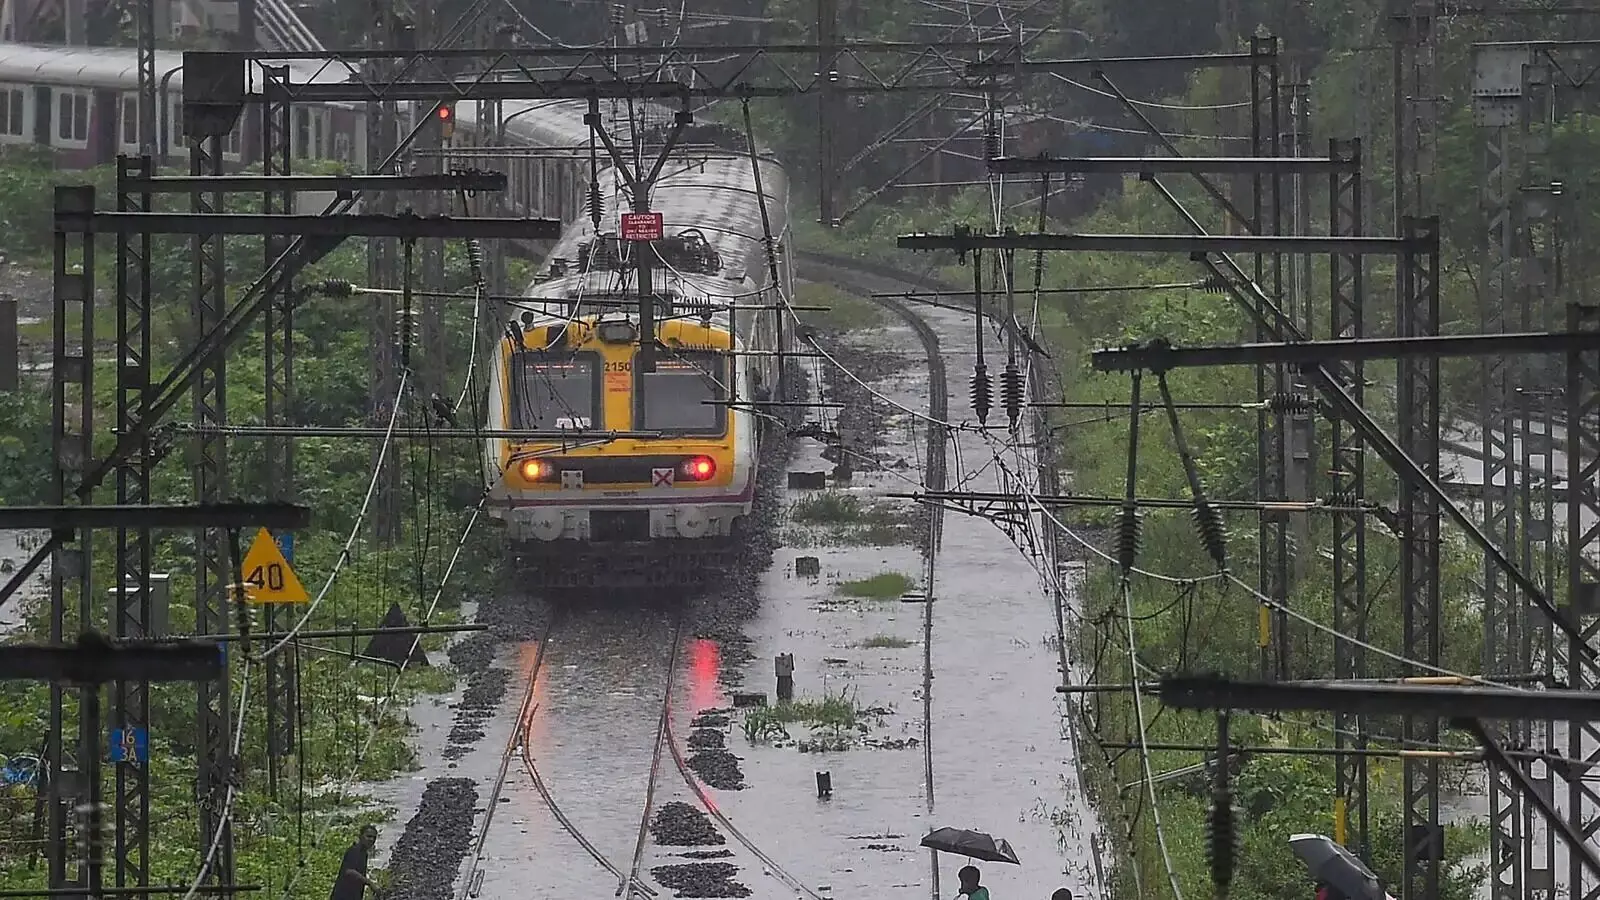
(268,574)
(642,226)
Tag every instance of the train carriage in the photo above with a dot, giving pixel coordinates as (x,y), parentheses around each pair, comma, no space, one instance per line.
(668,508)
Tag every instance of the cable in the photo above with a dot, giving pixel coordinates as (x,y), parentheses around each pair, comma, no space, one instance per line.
(355,530)
(1144,747)
(1179,107)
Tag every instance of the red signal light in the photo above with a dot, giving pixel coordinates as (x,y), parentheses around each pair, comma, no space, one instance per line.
(699,468)
(446,115)
(446,112)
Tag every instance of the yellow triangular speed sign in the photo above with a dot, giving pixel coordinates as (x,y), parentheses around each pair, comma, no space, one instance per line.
(269,575)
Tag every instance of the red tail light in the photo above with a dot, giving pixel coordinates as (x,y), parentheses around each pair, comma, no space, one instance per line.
(699,468)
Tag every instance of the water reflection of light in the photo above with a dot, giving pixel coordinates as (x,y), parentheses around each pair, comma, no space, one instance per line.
(533,721)
(704,661)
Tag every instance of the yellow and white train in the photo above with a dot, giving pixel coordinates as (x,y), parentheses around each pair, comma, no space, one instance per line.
(665,503)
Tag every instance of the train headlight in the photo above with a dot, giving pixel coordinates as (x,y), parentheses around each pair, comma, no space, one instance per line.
(535,470)
(699,468)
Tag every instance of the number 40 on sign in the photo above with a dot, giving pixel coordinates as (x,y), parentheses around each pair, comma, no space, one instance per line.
(268,577)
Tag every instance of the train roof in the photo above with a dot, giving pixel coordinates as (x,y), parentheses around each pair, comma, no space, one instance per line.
(115,68)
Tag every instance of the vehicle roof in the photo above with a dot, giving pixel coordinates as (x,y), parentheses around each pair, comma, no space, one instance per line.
(115,68)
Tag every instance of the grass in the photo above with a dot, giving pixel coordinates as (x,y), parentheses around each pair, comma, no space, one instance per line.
(829,508)
(885,642)
(854,521)
(845,312)
(838,712)
(882,586)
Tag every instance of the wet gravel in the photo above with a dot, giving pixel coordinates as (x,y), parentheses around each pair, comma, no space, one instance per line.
(427,857)
(678,824)
(862,419)
(718,768)
(707,739)
(700,880)
(478,704)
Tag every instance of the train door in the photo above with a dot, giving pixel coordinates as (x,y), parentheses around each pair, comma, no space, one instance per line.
(43,119)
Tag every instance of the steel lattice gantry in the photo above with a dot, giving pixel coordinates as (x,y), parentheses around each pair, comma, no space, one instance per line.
(1583,582)
(205,132)
(1347,465)
(133,606)
(278,344)
(72,435)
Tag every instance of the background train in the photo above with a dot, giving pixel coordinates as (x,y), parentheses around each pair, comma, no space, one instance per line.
(589,511)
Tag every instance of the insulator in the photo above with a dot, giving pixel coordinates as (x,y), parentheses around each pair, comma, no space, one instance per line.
(991,139)
(982,393)
(1214,284)
(475,260)
(1291,402)
(1342,498)
(1011,392)
(1128,538)
(336,287)
(596,205)
(1222,845)
(1209,523)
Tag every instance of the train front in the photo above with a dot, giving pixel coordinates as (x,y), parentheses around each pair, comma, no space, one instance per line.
(633,478)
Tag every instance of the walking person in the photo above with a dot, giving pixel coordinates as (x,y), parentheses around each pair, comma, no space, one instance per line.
(352,881)
(969,884)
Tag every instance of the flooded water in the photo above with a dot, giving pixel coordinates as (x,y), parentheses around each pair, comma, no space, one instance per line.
(15,548)
(999,757)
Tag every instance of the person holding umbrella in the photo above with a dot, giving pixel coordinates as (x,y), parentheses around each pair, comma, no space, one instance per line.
(969,884)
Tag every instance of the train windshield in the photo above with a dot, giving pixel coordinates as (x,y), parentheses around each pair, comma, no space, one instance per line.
(555,391)
(673,397)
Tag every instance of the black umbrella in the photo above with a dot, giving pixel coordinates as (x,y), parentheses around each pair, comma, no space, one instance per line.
(1329,862)
(974,844)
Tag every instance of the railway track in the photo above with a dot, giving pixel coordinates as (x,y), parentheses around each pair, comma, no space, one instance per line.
(517,757)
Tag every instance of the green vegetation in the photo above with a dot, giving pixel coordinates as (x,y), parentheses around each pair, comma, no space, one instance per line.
(882,586)
(848,519)
(846,312)
(344,701)
(885,642)
(837,713)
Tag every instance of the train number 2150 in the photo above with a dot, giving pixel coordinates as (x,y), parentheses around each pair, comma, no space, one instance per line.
(624,366)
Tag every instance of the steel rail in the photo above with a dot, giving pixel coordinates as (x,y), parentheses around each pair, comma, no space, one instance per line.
(631,882)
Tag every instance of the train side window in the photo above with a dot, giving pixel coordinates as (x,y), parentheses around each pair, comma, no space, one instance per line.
(13,112)
(72,117)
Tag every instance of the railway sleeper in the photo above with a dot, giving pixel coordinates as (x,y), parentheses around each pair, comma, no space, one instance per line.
(622,565)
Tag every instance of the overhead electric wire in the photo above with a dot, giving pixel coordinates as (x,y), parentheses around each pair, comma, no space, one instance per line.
(1177,107)
(355,530)
(1144,750)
